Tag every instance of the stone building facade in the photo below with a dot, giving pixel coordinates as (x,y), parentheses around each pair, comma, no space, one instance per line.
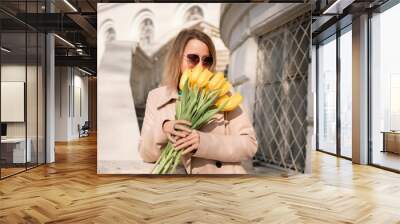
(270,63)
(151,29)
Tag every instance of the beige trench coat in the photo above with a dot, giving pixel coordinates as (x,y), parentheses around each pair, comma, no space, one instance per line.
(224,142)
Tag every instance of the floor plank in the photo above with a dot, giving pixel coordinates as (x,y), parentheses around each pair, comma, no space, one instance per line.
(70,191)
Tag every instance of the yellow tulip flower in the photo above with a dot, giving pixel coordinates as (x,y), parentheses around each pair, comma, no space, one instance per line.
(220,101)
(203,78)
(233,102)
(195,74)
(225,88)
(216,81)
(184,77)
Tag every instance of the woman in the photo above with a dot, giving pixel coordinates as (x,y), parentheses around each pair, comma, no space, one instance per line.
(219,146)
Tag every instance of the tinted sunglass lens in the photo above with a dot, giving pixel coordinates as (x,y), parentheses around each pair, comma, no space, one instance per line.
(194,59)
(207,61)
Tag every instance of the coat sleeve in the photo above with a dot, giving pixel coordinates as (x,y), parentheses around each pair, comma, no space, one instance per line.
(240,143)
(152,138)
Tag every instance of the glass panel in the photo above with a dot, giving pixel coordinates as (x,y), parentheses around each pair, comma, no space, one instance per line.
(327,96)
(346,94)
(13,90)
(385,86)
(22,87)
(31,99)
(41,98)
(32,90)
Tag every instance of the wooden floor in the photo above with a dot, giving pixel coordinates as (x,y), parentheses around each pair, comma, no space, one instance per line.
(5,172)
(387,159)
(70,191)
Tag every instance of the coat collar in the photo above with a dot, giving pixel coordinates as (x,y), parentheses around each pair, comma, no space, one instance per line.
(167,94)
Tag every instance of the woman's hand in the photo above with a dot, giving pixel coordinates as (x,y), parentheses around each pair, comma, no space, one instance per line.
(176,129)
(189,143)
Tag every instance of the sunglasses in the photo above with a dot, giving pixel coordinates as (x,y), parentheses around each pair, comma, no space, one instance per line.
(194,59)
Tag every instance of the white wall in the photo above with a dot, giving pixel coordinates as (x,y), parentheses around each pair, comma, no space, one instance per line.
(15,72)
(33,127)
(67,81)
(80,82)
(62,81)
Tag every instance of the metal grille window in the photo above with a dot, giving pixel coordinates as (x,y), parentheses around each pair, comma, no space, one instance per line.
(281,94)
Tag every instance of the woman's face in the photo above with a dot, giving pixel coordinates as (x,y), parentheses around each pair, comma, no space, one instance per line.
(193,47)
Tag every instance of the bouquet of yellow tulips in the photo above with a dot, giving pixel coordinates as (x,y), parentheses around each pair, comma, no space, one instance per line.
(203,94)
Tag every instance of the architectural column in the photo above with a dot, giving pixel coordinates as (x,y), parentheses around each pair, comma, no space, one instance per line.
(360,90)
(50,98)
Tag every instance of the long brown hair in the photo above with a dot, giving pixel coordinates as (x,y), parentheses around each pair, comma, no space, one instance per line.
(172,66)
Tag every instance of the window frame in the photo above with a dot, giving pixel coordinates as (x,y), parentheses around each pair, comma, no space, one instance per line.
(333,37)
(381,9)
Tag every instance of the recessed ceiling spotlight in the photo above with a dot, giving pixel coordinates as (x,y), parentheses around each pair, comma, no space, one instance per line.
(5,50)
(64,40)
(84,71)
(70,5)
(338,6)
